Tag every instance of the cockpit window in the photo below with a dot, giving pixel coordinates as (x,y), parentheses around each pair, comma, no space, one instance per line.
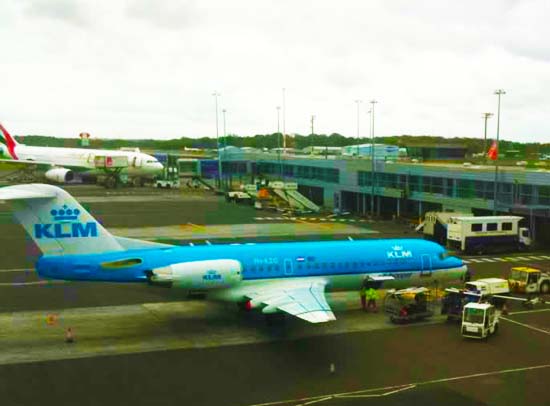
(444,255)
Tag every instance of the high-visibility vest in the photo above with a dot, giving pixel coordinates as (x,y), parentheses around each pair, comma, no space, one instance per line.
(372,294)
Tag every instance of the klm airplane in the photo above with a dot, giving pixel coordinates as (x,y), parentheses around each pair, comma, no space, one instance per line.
(269,277)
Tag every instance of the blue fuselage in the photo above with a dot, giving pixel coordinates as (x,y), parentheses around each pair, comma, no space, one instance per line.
(398,258)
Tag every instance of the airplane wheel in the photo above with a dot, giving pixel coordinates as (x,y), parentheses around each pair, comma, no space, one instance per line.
(110,183)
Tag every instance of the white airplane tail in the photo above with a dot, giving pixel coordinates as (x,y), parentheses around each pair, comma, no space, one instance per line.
(9,142)
(56,222)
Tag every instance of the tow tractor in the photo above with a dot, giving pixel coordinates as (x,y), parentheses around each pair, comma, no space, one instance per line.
(495,291)
(408,305)
(479,320)
(529,280)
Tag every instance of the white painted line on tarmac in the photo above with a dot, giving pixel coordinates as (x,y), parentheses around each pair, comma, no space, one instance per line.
(511,259)
(476,260)
(522,258)
(537,258)
(545,256)
(501,259)
(529,311)
(14,284)
(526,325)
(465,261)
(397,388)
(488,260)
(16,270)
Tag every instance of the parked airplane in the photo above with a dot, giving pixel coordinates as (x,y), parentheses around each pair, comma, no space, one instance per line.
(60,164)
(271,277)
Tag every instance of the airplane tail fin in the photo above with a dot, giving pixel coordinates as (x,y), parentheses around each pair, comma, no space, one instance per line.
(56,222)
(8,141)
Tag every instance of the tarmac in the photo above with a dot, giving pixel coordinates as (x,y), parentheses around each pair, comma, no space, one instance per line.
(142,345)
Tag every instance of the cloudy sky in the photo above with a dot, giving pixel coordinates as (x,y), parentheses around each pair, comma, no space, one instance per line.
(148,68)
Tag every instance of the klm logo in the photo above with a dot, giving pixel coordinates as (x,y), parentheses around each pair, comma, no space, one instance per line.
(212,276)
(398,253)
(65,225)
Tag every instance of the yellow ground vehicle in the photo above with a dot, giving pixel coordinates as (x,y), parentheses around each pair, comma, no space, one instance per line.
(529,280)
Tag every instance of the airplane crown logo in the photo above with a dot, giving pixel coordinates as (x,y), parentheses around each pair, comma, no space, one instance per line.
(397,248)
(65,213)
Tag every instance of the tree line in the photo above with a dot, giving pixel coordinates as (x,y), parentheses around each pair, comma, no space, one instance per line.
(274,140)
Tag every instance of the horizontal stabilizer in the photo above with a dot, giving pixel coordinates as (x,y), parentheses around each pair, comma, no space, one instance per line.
(133,244)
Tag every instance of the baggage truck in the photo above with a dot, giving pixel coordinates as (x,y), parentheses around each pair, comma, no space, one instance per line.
(479,235)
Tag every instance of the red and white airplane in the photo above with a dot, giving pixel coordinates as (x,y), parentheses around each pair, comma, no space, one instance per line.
(60,164)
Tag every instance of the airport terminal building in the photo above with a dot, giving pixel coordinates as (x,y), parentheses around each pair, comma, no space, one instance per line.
(404,188)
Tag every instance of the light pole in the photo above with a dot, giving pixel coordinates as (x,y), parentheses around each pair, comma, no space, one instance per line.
(279,142)
(224,130)
(312,132)
(216,94)
(373,102)
(486,116)
(358,102)
(498,92)
(284,120)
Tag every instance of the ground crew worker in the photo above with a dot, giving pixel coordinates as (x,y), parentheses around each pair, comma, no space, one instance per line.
(372,297)
(69,336)
(363,295)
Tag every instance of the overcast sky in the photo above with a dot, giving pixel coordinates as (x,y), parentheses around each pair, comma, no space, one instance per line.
(148,68)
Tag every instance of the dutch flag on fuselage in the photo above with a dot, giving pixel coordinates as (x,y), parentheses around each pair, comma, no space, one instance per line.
(8,141)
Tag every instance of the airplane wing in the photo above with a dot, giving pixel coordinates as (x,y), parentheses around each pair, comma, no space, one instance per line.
(40,165)
(305,300)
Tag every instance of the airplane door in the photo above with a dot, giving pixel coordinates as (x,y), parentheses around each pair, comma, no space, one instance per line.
(136,162)
(288,266)
(426,269)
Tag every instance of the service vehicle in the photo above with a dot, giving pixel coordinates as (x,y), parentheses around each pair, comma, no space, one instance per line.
(493,290)
(434,226)
(529,280)
(479,235)
(169,178)
(238,197)
(488,286)
(453,301)
(479,320)
(406,305)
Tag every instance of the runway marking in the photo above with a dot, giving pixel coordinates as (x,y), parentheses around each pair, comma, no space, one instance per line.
(545,256)
(475,260)
(537,258)
(501,259)
(522,258)
(526,326)
(395,388)
(465,261)
(488,260)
